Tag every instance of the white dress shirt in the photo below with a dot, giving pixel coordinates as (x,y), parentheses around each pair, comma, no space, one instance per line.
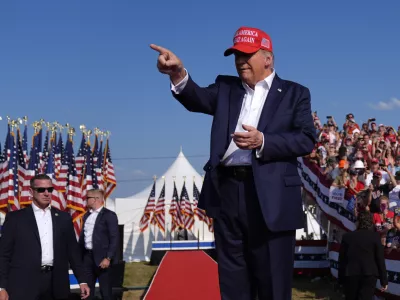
(89,227)
(45,226)
(250,113)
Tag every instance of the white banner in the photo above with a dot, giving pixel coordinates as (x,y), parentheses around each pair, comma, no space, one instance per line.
(340,215)
(336,194)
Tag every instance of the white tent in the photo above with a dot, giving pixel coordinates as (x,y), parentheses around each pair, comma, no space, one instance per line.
(137,244)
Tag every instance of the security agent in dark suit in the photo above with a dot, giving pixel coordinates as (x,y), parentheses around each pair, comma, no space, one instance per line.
(99,241)
(37,246)
(252,189)
(361,260)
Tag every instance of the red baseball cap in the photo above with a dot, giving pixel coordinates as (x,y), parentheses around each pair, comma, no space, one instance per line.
(249,40)
(377,174)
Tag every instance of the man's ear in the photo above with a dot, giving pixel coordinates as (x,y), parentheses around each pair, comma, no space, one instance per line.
(268,61)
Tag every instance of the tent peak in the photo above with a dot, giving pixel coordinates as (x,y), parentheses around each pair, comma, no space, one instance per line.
(181,153)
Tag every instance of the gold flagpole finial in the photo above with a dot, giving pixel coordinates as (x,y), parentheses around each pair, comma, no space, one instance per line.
(71,131)
(60,127)
(89,133)
(83,129)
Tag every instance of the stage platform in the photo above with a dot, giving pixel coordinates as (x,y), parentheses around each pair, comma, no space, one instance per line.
(310,256)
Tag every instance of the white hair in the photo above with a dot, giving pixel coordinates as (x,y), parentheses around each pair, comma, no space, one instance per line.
(267,53)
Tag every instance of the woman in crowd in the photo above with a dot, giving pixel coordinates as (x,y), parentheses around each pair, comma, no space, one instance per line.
(353,185)
(383,220)
(361,260)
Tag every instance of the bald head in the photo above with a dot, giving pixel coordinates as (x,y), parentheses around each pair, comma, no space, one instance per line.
(95,198)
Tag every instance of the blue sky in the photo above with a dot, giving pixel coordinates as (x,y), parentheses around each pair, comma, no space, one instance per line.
(89,62)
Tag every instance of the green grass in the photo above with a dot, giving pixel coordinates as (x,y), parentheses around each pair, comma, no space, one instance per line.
(140,274)
(137,275)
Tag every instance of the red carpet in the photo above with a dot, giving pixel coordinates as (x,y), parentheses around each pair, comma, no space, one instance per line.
(185,275)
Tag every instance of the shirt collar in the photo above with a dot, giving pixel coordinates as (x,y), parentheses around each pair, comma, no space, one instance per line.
(97,210)
(267,82)
(36,208)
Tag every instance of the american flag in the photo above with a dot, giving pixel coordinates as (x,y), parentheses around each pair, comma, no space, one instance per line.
(2,158)
(201,214)
(32,169)
(23,173)
(75,202)
(3,183)
(186,208)
(95,150)
(159,211)
(97,169)
(13,187)
(39,137)
(7,143)
(17,168)
(110,180)
(25,145)
(150,205)
(89,175)
(210,224)
(46,148)
(57,197)
(58,155)
(99,162)
(175,211)
(80,157)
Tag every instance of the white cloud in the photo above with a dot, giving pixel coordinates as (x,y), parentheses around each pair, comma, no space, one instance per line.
(138,173)
(388,105)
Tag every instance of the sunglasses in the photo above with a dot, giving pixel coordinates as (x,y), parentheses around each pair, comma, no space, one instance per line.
(43,189)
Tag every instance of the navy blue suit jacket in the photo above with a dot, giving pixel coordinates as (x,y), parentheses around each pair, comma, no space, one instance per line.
(21,254)
(105,235)
(289,132)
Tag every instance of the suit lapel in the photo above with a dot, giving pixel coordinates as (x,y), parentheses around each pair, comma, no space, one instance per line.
(271,104)
(235,104)
(32,222)
(56,225)
(98,220)
(85,217)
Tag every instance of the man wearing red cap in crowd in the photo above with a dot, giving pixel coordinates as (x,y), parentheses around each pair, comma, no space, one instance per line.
(261,124)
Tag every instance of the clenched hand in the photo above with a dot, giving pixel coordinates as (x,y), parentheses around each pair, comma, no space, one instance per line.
(252,139)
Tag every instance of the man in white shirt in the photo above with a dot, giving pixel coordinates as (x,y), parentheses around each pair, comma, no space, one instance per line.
(251,189)
(99,241)
(37,246)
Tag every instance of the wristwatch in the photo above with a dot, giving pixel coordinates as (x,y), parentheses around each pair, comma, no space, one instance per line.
(108,258)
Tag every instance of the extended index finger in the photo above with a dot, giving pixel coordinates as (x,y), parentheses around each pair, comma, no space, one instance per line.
(159,49)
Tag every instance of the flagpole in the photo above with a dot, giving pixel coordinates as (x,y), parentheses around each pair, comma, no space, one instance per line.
(203,230)
(154,209)
(202,181)
(164,234)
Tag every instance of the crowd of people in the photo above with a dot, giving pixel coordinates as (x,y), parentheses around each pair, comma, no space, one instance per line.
(365,161)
